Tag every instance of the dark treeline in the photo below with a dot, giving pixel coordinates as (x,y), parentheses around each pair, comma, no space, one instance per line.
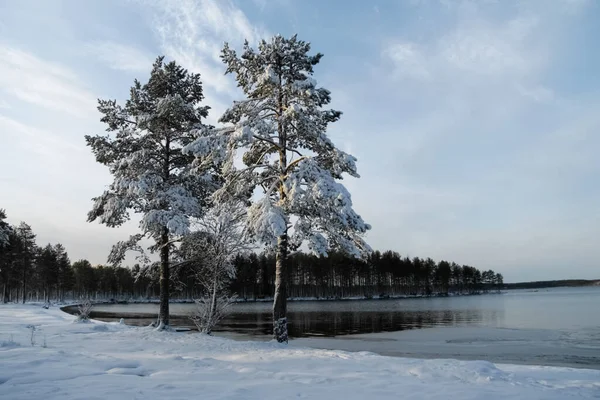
(551,284)
(339,276)
(29,272)
(32,273)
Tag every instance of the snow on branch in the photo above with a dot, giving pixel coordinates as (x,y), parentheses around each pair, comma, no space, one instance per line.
(283,114)
(119,250)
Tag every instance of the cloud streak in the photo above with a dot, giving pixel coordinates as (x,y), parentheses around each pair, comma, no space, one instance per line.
(474,122)
(121,57)
(193,33)
(28,78)
(471,144)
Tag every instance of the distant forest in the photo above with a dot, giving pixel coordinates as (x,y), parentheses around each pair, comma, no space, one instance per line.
(32,273)
(551,284)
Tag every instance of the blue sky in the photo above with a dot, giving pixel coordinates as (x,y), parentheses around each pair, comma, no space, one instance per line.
(475,123)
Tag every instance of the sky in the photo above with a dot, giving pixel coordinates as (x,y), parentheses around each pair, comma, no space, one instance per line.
(476,124)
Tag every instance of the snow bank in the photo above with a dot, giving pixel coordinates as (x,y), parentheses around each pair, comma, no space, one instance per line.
(98,360)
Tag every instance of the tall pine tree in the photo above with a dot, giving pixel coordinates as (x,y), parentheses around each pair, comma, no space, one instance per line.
(48,269)
(26,255)
(152,176)
(5,236)
(280,128)
(4,228)
(66,278)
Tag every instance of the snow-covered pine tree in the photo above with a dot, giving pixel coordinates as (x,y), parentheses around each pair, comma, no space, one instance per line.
(152,176)
(281,130)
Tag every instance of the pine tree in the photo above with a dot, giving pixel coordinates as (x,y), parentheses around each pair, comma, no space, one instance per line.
(152,176)
(498,281)
(48,269)
(84,281)
(66,278)
(281,129)
(4,229)
(5,267)
(26,255)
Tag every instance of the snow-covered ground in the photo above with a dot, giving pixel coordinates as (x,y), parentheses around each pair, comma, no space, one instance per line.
(99,360)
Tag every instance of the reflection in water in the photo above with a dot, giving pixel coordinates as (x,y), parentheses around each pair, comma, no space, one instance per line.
(345,322)
(258,321)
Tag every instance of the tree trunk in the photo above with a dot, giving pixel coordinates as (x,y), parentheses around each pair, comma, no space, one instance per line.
(280,331)
(163,317)
(213,306)
(5,296)
(24,286)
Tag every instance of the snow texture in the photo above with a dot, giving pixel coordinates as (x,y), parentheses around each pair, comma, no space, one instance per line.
(113,361)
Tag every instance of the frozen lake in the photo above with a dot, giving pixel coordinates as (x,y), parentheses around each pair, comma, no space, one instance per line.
(559,326)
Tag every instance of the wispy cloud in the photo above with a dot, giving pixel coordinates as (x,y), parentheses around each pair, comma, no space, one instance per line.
(489,70)
(43,83)
(484,145)
(408,60)
(487,50)
(39,141)
(193,33)
(475,51)
(121,57)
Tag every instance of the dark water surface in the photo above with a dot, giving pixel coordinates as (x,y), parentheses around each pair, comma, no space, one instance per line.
(558,326)
(557,308)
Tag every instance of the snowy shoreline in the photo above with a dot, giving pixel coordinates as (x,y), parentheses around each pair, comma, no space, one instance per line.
(98,360)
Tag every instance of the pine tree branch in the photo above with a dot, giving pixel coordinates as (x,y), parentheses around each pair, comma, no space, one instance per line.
(294,163)
(276,145)
(270,149)
(175,240)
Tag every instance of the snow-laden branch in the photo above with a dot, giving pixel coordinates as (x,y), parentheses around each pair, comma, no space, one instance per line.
(284,109)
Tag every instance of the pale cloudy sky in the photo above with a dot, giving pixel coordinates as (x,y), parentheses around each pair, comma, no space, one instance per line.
(476,123)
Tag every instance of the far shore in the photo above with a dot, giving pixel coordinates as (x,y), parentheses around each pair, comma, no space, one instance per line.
(505,287)
(270,299)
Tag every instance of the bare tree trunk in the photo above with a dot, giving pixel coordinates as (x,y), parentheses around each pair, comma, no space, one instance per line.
(24,286)
(213,305)
(163,316)
(5,296)
(280,331)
